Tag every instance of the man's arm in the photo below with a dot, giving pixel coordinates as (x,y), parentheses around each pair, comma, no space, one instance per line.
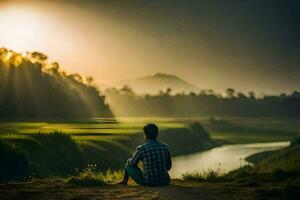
(169,161)
(136,158)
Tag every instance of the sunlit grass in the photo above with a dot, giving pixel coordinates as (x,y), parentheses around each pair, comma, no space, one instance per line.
(80,139)
(99,127)
(110,128)
(91,177)
(204,176)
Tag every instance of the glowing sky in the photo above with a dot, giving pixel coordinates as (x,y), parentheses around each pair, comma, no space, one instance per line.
(247,45)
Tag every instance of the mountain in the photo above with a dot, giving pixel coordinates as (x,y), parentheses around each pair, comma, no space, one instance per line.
(157,82)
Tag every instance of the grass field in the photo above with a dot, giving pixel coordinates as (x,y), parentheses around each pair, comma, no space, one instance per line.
(85,127)
(88,132)
(230,130)
(252,130)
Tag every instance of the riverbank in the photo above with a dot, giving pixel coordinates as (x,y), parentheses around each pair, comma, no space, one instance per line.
(224,158)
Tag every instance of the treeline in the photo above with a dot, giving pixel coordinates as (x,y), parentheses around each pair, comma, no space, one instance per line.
(30,86)
(125,102)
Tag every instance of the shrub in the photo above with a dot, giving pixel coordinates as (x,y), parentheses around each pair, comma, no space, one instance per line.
(295,141)
(205,176)
(13,165)
(88,179)
(292,189)
(56,154)
(198,128)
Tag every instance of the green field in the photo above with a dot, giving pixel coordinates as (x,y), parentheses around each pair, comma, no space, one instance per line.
(237,130)
(88,126)
(252,130)
(85,129)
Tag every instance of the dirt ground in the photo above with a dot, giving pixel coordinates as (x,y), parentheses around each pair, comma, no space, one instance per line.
(55,189)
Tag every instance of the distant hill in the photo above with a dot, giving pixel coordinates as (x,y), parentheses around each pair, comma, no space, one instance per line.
(159,81)
(31,87)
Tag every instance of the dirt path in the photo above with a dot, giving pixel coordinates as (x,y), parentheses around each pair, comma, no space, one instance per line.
(59,190)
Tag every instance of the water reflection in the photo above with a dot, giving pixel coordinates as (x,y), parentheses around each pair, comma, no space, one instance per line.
(227,157)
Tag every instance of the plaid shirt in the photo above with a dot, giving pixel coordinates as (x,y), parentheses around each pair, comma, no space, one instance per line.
(156,160)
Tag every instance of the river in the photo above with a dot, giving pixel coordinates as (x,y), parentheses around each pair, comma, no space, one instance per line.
(226,157)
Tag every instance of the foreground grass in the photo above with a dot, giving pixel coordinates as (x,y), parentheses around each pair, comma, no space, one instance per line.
(205,176)
(91,177)
(59,189)
(277,184)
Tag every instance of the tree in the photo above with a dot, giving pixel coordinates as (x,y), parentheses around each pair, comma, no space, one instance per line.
(126,90)
(38,57)
(168,91)
(230,92)
(295,94)
(89,80)
(31,88)
(251,95)
(240,95)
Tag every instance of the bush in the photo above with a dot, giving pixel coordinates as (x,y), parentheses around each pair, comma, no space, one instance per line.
(88,179)
(198,128)
(205,176)
(56,154)
(292,189)
(14,165)
(295,141)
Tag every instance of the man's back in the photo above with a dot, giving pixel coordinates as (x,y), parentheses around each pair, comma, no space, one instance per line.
(156,160)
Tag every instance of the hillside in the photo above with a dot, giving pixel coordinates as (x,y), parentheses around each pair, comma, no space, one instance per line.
(31,87)
(157,82)
(285,159)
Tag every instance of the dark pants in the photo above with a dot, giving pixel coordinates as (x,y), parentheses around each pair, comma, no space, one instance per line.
(135,173)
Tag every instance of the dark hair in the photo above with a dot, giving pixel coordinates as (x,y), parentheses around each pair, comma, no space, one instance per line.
(151,131)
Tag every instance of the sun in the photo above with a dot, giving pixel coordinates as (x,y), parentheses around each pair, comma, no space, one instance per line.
(20,28)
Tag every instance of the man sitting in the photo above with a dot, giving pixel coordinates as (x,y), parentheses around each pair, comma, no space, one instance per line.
(156,160)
